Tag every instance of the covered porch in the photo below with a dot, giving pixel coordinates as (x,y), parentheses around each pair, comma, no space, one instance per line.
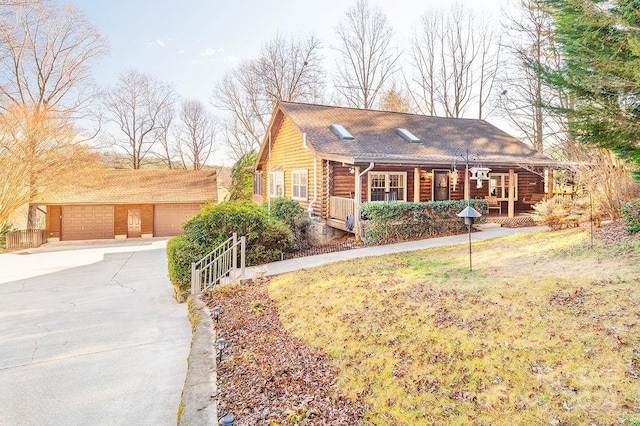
(511,191)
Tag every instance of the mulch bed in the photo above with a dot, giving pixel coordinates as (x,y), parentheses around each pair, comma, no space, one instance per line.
(614,232)
(267,376)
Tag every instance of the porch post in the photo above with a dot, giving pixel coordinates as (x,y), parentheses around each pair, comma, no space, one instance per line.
(416,184)
(511,203)
(356,199)
(550,183)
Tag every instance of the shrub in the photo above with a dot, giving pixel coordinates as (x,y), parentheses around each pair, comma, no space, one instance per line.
(4,230)
(267,238)
(217,222)
(557,213)
(293,215)
(180,254)
(275,240)
(631,216)
(389,222)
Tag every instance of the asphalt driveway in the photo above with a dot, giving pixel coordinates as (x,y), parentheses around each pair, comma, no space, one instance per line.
(90,335)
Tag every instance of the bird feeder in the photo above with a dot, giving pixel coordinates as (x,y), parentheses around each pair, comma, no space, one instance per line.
(479,174)
(469,214)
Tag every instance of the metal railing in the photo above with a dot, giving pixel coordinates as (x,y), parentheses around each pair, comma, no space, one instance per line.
(220,264)
(340,208)
(26,238)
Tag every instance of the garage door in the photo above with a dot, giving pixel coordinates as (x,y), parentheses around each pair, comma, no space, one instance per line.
(168,218)
(87,222)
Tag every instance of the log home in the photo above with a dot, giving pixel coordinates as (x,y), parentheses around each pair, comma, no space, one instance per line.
(330,159)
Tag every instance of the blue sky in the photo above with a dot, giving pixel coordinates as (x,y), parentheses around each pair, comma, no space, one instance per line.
(192,43)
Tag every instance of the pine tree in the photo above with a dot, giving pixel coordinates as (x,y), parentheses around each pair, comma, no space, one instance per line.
(600,41)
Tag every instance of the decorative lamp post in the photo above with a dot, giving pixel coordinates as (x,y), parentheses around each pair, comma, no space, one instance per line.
(469,214)
(227,420)
(216,313)
(222,343)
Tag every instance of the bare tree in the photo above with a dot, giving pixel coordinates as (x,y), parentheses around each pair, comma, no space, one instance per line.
(137,105)
(167,150)
(455,61)
(288,70)
(195,134)
(47,52)
(367,56)
(46,55)
(26,163)
(523,92)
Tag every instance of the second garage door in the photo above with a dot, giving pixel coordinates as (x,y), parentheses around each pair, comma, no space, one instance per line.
(87,222)
(168,218)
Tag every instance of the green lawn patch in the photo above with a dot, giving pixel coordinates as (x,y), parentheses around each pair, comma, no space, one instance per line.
(542,331)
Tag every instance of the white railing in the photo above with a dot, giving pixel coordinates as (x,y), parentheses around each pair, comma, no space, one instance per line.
(340,208)
(221,264)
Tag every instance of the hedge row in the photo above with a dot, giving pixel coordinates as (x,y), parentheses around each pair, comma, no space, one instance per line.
(392,222)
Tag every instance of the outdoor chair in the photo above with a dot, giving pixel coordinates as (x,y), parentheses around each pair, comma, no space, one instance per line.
(494,204)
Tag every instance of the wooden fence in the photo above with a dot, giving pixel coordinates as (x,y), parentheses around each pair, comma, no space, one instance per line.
(26,238)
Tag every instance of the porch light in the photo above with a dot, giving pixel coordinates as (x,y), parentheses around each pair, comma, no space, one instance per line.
(216,313)
(222,343)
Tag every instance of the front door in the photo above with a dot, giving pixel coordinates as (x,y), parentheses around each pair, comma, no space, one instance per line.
(440,185)
(134,229)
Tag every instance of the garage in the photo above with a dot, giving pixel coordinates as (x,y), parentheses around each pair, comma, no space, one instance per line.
(87,222)
(168,218)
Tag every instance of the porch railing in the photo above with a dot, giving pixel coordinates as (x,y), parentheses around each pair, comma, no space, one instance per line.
(219,265)
(340,208)
(26,238)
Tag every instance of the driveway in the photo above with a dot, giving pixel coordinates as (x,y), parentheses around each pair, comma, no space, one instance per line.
(90,335)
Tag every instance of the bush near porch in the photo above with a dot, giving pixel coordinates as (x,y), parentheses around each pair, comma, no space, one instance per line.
(391,222)
(267,238)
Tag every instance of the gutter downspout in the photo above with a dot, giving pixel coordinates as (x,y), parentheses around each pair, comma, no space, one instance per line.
(269,178)
(315,186)
(358,202)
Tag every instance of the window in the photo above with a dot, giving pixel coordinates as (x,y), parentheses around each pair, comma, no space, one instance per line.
(341,132)
(499,186)
(299,184)
(387,186)
(257,183)
(407,135)
(276,184)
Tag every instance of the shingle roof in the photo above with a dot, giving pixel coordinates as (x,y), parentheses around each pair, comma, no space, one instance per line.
(90,186)
(376,138)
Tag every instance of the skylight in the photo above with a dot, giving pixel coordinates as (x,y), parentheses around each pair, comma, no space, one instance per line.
(407,135)
(343,133)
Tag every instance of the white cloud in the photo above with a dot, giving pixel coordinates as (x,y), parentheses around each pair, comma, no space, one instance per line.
(160,42)
(230,59)
(209,51)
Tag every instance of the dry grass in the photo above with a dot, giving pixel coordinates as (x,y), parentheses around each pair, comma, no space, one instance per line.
(543,331)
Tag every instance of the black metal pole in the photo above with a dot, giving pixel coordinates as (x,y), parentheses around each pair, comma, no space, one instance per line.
(470,268)
(591,218)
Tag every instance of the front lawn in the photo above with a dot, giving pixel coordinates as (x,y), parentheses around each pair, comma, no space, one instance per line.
(543,331)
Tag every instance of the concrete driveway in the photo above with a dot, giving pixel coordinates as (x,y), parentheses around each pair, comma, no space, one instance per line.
(90,335)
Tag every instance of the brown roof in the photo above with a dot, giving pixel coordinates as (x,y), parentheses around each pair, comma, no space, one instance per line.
(109,186)
(376,139)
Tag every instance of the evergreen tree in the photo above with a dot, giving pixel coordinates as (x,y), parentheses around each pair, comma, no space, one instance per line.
(600,42)
(241,187)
